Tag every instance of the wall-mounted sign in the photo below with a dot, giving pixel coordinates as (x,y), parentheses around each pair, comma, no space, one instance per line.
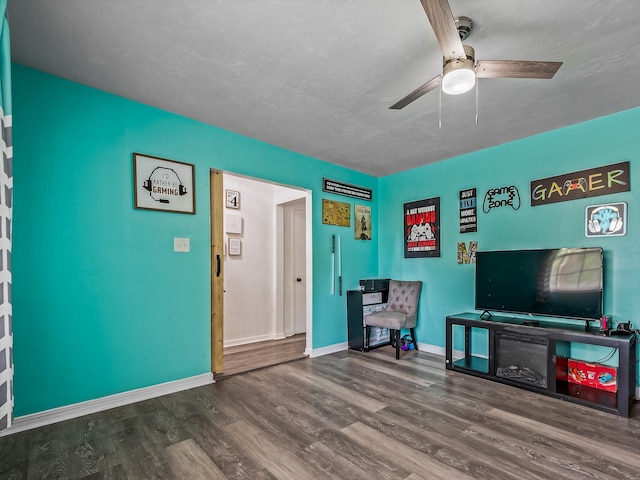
(585,183)
(501,197)
(233,199)
(235,246)
(608,220)
(422,228)
(468,211)
(341,188)
(336,213)
(362,222)
(466,256)
(161,184)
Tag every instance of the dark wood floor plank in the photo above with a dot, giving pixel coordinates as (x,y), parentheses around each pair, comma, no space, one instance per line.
(225,452)
(254,405)
(117,472)
(426,363)
(350,395)
(402,454)
(317,409)
(363,457)
(267,450)
(332,462)
(383,389)
(138,447)
(614,455)
(440,437)
(187,460)
(381,372)
(13,461)
(552,460)
(52,454)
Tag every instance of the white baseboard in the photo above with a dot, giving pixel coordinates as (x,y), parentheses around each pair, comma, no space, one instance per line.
(47,417)
(258,338)
(318,352)
(426,347)
(339,347)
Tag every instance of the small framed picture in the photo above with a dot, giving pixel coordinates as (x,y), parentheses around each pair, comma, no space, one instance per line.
(235,246)
(336,213)
(233,199)
(362,222)
(161,184)
(606,220)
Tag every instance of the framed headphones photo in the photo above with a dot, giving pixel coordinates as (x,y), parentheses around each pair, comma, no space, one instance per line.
(607,220)
(161,184)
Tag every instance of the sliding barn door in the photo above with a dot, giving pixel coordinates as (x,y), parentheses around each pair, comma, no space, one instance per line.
(217,272)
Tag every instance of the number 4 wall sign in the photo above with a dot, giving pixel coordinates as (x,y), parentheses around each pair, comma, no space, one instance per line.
(233,199)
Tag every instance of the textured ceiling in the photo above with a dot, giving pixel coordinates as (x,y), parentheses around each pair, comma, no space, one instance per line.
(317,77)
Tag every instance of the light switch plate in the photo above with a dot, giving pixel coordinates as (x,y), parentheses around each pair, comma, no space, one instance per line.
(181,245)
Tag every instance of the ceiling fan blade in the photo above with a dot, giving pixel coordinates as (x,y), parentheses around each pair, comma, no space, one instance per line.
(417,93)
(444,26)
(516,69)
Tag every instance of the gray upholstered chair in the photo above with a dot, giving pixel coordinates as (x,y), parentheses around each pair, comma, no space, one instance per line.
(401,311)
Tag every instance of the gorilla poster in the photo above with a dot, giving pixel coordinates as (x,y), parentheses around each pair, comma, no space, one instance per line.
(422,228)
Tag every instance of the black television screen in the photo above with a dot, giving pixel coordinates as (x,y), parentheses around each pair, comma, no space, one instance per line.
(561,282)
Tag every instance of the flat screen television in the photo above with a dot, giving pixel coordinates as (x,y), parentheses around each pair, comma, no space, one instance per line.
(559,282)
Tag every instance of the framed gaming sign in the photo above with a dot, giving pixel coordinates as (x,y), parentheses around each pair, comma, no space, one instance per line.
(161,184)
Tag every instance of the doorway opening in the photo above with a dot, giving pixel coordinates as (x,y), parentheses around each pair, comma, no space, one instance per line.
(267,274)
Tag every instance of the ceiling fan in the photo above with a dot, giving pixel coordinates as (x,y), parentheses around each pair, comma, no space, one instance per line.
(460,69)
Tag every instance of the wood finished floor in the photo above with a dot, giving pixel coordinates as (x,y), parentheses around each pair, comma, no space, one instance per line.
(252,356)
(348,415)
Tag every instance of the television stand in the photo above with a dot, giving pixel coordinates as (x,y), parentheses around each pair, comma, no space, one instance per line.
(544,352)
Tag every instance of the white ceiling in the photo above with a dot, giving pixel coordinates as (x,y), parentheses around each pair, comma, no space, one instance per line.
(317,77)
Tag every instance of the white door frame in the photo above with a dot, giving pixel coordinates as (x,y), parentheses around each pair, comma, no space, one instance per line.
(301,193)
(288,251)
(281,277)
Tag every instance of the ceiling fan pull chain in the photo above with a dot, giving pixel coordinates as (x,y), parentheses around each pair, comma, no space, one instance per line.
(477,82)
(440,109)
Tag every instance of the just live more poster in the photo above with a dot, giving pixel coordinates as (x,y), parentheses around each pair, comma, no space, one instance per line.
(422,228)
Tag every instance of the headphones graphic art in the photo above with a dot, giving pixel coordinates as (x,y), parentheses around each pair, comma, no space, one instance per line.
(163,188)
(605,219)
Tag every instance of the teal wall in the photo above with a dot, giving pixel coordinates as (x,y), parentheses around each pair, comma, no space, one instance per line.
(101,303)
(449,287)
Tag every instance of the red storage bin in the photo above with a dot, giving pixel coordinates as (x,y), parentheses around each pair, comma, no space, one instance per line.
(593,375)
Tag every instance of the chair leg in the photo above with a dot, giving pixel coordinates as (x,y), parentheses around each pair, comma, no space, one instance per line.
(413,337)
(397,333)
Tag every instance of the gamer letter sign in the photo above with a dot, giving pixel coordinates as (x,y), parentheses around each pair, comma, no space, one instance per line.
(585,183)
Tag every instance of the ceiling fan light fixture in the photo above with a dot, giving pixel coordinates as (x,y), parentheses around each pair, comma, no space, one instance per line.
(458,77)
